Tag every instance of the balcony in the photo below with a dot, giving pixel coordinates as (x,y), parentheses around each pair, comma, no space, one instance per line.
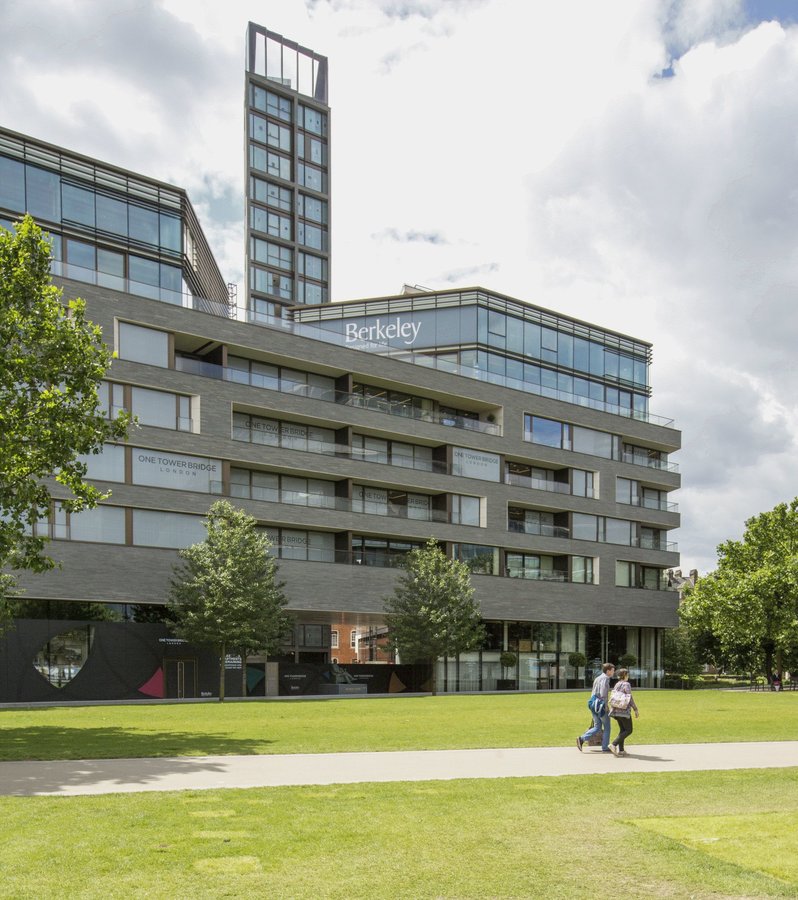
(374,404)
(538,575)
(542,530)
(644,503)
(537,484)
(637,459)
(341,504)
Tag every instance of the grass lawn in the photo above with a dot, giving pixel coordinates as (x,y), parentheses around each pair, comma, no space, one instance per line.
(400,723)
(691,834)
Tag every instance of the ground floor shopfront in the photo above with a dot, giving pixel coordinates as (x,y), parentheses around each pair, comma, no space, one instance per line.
(93,651)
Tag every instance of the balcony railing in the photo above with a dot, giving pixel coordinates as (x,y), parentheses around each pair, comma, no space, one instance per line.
(375,404)
(217,308)
(538,574)
(647,503)
(228,311)
(537,484)
(655,544)
(556,531)
(637,459)
(341,504)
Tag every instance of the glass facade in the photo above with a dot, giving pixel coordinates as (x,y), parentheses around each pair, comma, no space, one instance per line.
(496,339)
(288,159)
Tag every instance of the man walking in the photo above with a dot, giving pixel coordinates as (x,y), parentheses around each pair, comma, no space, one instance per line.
(599,709)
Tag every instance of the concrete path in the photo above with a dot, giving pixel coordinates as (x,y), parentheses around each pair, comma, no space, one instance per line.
(105,776)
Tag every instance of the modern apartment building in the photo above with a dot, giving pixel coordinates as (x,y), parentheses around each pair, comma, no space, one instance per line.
(521,439)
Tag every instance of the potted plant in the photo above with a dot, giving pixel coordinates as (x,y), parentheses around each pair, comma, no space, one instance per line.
(578,661)
(627,661)
(507,660)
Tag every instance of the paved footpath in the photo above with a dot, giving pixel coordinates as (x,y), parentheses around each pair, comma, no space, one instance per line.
(107,776)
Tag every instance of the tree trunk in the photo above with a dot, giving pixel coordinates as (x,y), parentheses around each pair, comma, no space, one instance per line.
(222,657)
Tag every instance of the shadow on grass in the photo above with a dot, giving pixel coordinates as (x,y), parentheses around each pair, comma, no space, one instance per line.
(59,757)
(114,742)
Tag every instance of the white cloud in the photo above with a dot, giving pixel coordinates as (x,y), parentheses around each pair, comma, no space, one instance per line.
(538,139)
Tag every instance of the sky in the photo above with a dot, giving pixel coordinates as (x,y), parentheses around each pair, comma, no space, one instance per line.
(633,163)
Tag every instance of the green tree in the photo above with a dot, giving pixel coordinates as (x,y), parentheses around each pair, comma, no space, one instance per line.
(432,612)
(680,654)
(750,602)
(52,362)
(225,593)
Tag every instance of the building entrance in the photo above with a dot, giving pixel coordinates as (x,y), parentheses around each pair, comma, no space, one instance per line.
(180,676)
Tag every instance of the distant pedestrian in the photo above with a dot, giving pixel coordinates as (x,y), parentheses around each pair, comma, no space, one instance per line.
(621,704)
(599,709)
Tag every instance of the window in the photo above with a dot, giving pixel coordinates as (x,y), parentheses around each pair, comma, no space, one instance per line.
(160,408)
(152,528)
(272,254)
(272,163)
(465,510)
(353,640)
(271,194)
(311,177)
(311,236)
(272,283)
(270,222)
(544,431)
(582,483)
(582,569)
(103,524)
(334,640)
(312,120)
(480,559)
(312,208)
(109,465)
(144,345)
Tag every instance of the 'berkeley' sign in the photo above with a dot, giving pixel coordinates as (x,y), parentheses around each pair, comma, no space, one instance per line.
(393,329)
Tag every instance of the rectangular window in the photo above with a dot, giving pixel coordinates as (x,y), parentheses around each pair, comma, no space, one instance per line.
(582,569)
(353,640)
(103,524)
(272,283)
(144,345)
(465,510)
(109,465)
(624,574)
(12,184)
(272,163)
(43,190)
(272,254)
(270,222)
(271,194)
(334,639)
(594,443)
(156,408)
(77,204)
(152,528)
(143,224)
(582,483)
(544,431)
(312,208)
(312,120)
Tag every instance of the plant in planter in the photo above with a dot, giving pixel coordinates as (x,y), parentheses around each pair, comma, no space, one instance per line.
(578,661)
(627,661)
(507,661)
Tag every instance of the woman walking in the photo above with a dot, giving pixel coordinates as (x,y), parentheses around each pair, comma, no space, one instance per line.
(621,705)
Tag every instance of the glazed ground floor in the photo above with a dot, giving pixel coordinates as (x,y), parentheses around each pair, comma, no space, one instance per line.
(63,650)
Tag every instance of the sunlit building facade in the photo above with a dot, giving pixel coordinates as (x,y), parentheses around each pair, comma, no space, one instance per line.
(519,438)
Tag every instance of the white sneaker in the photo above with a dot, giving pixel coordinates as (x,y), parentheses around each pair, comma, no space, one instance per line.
(614,749)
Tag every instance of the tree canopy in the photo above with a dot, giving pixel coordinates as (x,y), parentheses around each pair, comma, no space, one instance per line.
(432,612)
(225,593)
(749,604)
(52,362)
